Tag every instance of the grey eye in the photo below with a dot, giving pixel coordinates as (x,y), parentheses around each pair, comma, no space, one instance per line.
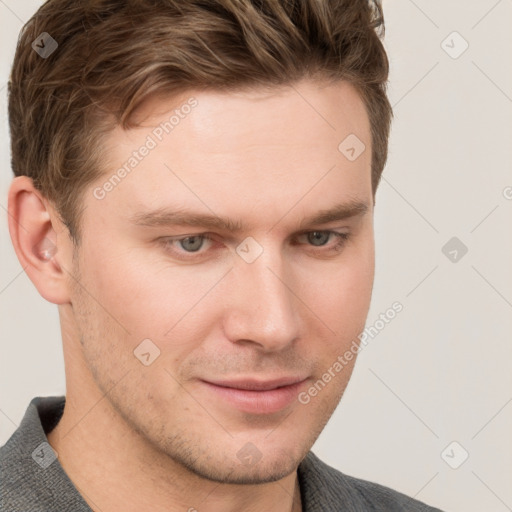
(318,238)
(192,243)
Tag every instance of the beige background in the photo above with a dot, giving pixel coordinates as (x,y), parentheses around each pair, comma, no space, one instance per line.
(440,371)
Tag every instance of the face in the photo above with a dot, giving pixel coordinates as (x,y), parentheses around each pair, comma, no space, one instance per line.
(215,288)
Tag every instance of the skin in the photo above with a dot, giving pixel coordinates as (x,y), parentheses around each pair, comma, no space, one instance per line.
(136,437)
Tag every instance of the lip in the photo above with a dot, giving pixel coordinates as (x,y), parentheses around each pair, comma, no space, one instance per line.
(257,396)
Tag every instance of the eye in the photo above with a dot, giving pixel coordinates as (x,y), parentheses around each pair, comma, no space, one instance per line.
(192,243)
(189,247)
(185,246)
(320,238)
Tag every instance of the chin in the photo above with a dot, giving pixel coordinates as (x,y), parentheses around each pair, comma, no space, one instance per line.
(240,474)
(246,466)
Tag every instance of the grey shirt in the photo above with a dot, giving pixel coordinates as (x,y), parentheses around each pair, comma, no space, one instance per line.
(32,479)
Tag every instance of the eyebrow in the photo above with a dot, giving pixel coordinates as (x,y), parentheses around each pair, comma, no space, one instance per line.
(184,217)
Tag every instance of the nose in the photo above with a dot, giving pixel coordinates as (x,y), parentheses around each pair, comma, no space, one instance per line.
(262,306)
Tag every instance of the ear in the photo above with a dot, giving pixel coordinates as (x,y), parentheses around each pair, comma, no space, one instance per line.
(40,240)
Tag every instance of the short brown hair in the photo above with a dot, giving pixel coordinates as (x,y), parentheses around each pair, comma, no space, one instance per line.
(114,54)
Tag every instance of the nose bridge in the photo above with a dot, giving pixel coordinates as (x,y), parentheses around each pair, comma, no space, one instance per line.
(262,309)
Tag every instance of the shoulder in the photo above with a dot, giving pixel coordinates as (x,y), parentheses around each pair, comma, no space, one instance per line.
(31,477)
(325,488)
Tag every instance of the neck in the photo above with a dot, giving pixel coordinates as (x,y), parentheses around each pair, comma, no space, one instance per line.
(115,468)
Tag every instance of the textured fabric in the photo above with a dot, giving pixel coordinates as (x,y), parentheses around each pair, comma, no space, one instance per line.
(32,479)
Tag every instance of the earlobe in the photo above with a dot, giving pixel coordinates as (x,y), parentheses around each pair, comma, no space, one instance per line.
(33,229)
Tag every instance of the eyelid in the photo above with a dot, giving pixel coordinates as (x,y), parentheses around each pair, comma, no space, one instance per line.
(342,238)
(212,236)
(209,234)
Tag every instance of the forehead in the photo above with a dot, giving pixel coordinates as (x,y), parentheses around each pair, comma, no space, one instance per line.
(259,150)
(320,106)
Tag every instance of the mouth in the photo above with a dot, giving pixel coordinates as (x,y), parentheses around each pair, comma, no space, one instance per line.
(257,396)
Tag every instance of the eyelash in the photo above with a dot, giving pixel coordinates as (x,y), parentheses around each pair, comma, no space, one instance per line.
(342,239)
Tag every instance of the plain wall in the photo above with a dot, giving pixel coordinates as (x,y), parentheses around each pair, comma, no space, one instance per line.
(439,372)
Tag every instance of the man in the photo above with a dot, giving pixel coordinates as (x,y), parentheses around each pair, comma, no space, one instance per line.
(195,184)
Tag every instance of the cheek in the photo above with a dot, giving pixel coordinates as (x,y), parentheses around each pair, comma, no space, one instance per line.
(340,292)
(339,297)
(153,298)
(128,282)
